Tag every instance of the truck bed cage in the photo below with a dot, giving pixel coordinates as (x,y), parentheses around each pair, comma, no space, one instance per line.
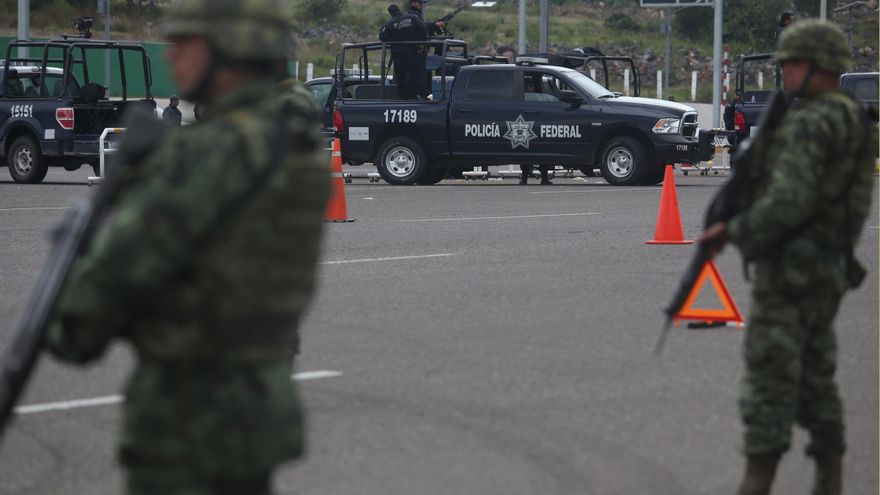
(758,57)
(69,60)
(447,48)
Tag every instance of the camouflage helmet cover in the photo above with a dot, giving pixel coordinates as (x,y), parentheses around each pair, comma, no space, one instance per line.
(239,29)
(820,42)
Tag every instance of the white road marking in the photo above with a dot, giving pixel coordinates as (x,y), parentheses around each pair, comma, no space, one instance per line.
(37,208)
(396,258)
(629,189)
(459,219)
(117,399)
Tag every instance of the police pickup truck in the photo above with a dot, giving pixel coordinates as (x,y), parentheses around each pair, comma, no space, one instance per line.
(523,113)
(52,113)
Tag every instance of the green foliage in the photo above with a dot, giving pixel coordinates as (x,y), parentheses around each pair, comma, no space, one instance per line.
(321,9)
(621,22)
(748,22)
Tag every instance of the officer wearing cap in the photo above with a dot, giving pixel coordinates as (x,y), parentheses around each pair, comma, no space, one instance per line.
(208,263)
(808,195)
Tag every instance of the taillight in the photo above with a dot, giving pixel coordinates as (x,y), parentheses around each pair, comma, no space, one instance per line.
(338,123)
(65,119)
(740,122)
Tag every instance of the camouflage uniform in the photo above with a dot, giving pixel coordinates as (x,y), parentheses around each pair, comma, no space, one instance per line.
(812,173)
(206,270)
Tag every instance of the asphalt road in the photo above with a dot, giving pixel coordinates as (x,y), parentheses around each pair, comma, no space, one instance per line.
(505,350)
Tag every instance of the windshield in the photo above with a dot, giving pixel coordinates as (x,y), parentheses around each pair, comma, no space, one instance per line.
(586,84)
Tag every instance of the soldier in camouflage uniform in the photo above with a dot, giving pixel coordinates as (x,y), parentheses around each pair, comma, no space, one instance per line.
(808,200)
(208,263)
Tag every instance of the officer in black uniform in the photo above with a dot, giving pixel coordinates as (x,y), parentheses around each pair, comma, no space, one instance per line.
(409,60)
(386,34)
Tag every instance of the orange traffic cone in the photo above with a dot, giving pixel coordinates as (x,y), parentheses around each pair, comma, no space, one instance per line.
(669,229)
(336,209)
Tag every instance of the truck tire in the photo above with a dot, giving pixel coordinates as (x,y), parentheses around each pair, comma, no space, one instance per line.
(26,162)
(624,161)
(654,176)
(401,161)
(432,177)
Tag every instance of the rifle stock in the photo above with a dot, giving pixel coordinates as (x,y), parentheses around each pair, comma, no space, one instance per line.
(723,207)
(70,241)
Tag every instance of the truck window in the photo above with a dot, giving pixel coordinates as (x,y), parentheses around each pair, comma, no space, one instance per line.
(865,89)
(321,92)
(491,85)
(540,86)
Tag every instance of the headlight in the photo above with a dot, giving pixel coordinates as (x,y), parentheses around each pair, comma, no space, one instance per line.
(667,126)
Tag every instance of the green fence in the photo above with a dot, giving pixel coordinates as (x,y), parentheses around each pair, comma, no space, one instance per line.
(162,84)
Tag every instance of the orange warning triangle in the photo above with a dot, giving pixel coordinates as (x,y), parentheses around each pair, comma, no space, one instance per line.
(729,312)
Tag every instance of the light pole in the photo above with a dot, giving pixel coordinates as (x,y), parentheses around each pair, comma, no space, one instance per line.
(522,27)
(104,9)
(24,25)
(823,9)
(716,66)
(545,27)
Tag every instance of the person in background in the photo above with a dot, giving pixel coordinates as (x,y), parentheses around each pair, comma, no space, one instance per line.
(172,113)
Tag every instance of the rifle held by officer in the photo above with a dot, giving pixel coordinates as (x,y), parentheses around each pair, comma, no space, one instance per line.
(442,31)
(71,240)
(723,207)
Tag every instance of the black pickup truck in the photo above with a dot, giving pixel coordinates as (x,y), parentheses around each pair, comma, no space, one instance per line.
(51,111)
(523,113)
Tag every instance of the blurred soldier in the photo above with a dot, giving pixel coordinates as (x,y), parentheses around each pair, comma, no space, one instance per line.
(809,197)
(172,114)
(208,264)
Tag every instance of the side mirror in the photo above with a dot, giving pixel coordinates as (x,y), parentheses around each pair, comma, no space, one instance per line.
(571,97)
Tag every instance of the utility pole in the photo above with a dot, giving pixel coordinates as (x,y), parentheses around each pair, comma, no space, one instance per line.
(823,9)
(104,9)
(24,25)
(545,26)
(667,28)
(716,66)
(522,27)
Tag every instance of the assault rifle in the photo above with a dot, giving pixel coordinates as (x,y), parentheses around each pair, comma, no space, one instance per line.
(71,240)
(443,32)
(724,207)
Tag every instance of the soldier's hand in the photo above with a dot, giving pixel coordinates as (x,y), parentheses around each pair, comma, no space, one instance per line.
(714,238)
(440,24)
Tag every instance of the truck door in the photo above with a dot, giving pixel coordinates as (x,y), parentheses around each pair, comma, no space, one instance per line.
(479,116)
(561,130)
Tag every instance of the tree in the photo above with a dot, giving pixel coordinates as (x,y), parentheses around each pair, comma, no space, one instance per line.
(750,22)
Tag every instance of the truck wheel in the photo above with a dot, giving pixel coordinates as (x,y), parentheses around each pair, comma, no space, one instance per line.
(655,176)
(624,161)
(25,160)
(589,171)
(401,161)
(433,177)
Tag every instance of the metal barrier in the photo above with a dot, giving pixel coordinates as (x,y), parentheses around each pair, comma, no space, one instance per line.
(103,151)
(719,164)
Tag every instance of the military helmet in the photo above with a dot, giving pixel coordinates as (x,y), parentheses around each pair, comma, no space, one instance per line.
(820,42)
(239,29)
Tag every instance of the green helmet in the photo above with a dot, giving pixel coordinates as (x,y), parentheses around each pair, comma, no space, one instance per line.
(239,29)
(820,42)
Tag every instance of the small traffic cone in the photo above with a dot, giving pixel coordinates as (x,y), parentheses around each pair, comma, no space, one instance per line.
(668,229)
(336,209)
